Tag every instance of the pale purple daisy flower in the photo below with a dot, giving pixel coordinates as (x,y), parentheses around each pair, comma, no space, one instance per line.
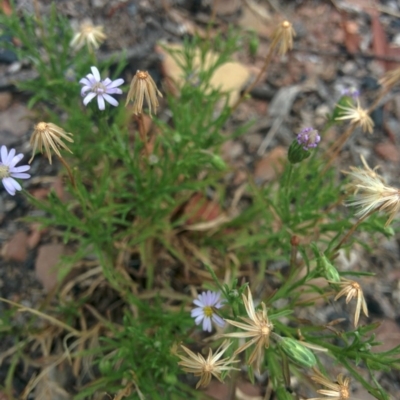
(207,303)
(308,138)
(8,170)
(93,86)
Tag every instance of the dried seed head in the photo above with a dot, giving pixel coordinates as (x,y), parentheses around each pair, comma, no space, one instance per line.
(352,289)
(206,367)
(89,35)
(371,193)
(49,136)
(283,37)
(357,116)
(143,87)
(338,390)
(257,328)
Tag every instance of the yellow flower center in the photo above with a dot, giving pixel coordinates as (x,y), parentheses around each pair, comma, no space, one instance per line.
(208,311)
(4,171)
(142,75)
(344,393)
(41,126)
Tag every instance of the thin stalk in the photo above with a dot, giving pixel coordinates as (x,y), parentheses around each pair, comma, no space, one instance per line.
(143,134)
(337,146)
(67,167)
(351,231)
(267,61)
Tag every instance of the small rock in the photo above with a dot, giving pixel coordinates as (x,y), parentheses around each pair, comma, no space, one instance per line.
(388,151)
(5,100)
(231,150)
(14,123)
(17,248)
(253,141)
(46,261)
(271,165)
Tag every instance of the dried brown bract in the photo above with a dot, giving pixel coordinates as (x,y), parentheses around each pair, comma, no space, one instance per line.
(49,136)
(338,390)
(283,37)
(143,87)
(351,290)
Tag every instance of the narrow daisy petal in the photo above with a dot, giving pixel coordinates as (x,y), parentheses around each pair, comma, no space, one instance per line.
(89,98)
(22,168)
(4,154)
(96,73)
(218,320)
(20,175)
(16,160)
(196,312)
(100,102)
(9,186)
(117,82)
(110,99)
(207,324)
(9,158)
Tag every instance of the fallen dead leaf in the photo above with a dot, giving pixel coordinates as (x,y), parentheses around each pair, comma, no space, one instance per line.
(226,7)
(17,248)
(200,209)
(47,258)
(271,165)
(229,78)
(257,18)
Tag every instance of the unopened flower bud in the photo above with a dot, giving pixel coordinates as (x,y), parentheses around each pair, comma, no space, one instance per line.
(330,272)
(297,352)
(218,162)
(296,153)
(308,138)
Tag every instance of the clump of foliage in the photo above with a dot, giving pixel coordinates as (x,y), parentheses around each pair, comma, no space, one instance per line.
(121,315)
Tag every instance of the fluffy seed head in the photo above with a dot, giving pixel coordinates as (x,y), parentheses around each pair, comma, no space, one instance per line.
(371,193)
(89,35)
(357,116)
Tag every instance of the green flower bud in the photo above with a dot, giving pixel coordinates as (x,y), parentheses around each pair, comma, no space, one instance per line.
(298,352)
(105,366)
(218,162)
(330,272)
(296,153)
